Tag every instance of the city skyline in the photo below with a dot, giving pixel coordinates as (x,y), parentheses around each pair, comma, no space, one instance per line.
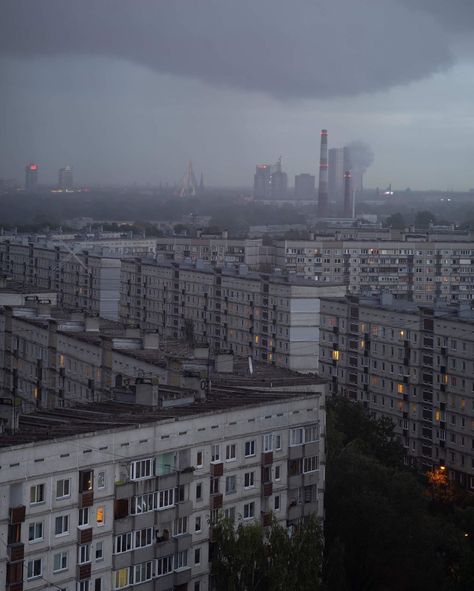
(122,119)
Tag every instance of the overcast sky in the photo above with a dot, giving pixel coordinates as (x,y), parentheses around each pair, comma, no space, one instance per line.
(129,90)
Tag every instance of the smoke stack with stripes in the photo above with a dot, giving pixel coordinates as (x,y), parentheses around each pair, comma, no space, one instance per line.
(323,176)
(347,194)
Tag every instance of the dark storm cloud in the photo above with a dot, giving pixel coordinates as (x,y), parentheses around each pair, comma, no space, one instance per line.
(287,48)
(457,15)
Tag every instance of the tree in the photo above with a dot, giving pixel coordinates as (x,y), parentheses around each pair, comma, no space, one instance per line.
(395,221)
(423,219)
(253,558)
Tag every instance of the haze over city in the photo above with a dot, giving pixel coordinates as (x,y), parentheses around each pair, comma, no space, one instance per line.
(129,92)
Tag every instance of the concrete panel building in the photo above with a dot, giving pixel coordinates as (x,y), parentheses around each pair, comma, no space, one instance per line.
(115,495)
(412,364)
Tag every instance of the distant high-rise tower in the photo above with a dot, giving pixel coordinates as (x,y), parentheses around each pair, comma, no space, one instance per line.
(262,182)
(201,184)
(279,182)
(65,180)
(304,186)
(348,197)
(339,163)
(323,176)
(31,177)
(188,186)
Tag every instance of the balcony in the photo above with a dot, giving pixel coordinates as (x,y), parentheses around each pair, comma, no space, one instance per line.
(17,514)
(84,571)
(85,535)
(217,469)
(86,499)
(267,489)
(267,458)
(266,519)
(16,552)
(216,501)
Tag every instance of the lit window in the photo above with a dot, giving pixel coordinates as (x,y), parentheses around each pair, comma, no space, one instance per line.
(401,388)
(100,515)
(335,355)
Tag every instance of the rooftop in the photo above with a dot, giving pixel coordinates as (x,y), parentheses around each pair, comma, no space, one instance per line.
(53,424)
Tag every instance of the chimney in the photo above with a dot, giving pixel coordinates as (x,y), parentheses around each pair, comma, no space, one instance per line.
(347,194)
(151,340)
(92,324)
(323,176)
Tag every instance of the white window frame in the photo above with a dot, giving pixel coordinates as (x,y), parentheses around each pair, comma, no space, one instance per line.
(99,551)
(84,516)
(251,448)
(35,526)
(141,469)
(64,524)
(310,464)
(84,554)
(63,560)
(249,510)
(180,526)
(296,437)
(65,485)
(268,442)
(34,490)
(230,452)
(101,479)
(34,575)
(215,453)
(249,480)
(231,478)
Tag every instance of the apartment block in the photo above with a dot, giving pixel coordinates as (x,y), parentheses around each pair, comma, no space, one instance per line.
(416,269)
(114,496)
(219,250)
(82,281)
(271,318)
(412,364)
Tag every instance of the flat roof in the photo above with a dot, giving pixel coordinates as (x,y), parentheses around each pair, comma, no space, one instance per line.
(80,419)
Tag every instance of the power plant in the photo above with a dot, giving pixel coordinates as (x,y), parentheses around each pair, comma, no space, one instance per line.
(348,195)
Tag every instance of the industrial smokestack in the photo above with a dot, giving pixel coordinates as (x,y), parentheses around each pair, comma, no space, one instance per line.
(347,194)
(323,176)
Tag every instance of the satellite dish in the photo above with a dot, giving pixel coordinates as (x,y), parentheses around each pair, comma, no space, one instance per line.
(250,366)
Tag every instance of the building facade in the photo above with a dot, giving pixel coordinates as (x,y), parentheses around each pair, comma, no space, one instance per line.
(109,499)
(412,364)
(270,318)
(81,281)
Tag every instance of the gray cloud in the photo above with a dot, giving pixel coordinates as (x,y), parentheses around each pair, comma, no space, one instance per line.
(457,15)
(297,48)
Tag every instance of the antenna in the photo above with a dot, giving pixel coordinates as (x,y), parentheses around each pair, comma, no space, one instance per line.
(250,366)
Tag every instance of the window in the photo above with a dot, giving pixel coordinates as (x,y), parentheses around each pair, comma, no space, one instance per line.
(120,578)
(101,480)
(59,562)
(198,491)
(296,436)
(276,503)
(63,488)
(311,433)
(180,526)
(230,452)
(268,442)
(249,510)
(181,559)
(84,554)
(215,453)
(199,459)
(249,479)
(98,585)
(214,486)
(35,531)
(33,569)
(197,586)
(230,484)
(141,469)
(123,543)
(100,515)
(83,586)
(83,516)
(229,513)
(310,464)
(86,480)
(197,556)
(249,448)
(141,572)
(99,551)
(277,472)
(197,524)
(166,498)
(143,538)
(164,565)
(277,439)
(37,494)
(61,525)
